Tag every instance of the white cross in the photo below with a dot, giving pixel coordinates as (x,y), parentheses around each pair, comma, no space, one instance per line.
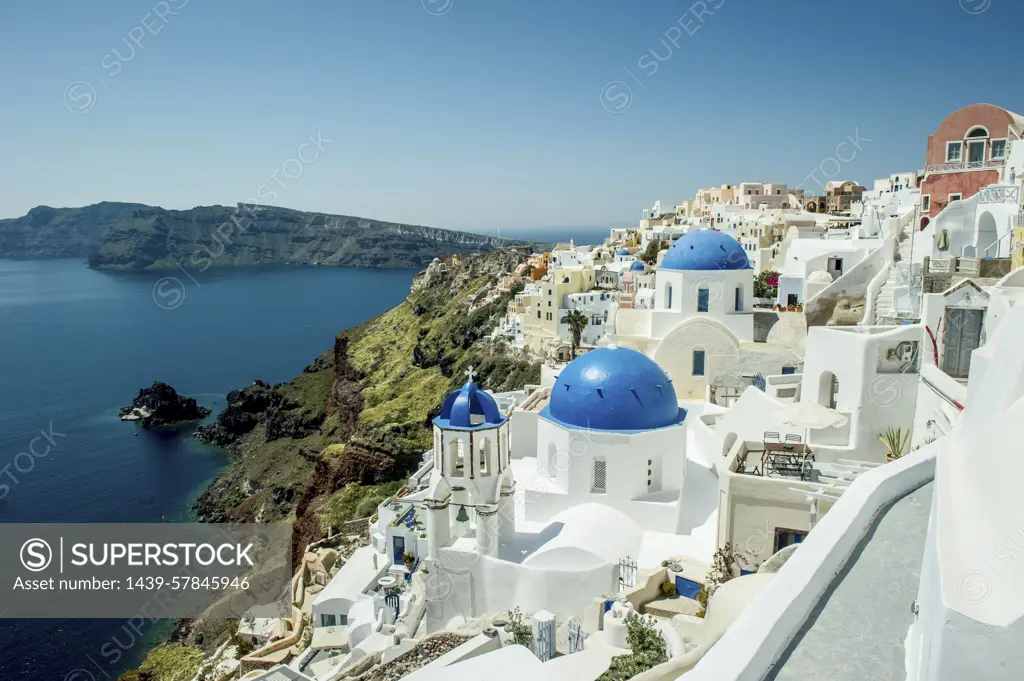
(470,373)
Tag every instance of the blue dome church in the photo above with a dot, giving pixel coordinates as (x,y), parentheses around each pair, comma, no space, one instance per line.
(612,433)
(703,309)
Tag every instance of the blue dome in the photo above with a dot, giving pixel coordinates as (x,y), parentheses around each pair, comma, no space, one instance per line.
(638,266)
(705,250)
(622,251)
(614,389)
(469,408)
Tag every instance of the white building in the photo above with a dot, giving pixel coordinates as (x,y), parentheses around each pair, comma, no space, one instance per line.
(598,306)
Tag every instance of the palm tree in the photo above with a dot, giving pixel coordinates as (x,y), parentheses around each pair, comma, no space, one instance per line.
(576,321)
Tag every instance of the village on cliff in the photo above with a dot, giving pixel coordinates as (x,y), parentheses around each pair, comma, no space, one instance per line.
(773,439)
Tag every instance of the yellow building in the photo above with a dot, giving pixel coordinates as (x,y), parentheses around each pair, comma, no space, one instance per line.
(540,321)
(1017,252)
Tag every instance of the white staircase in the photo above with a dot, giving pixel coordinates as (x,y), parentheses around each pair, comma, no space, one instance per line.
(899,275)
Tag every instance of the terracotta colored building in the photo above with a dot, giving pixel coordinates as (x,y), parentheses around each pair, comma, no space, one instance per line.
(839,195)
(966,153)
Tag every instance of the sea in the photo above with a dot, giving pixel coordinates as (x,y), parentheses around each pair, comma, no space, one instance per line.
(76,344)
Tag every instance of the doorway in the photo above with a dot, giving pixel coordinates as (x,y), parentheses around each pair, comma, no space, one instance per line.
(961,338)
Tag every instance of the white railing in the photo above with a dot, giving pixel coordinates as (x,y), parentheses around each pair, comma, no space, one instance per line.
(999,193)
(964,165)
(1015,132)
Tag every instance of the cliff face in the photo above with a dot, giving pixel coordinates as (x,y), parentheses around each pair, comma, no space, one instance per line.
(134,236)
(61,232)
(360,414)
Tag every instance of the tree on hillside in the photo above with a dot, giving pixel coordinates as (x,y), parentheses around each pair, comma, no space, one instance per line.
(651,252)
(576,321)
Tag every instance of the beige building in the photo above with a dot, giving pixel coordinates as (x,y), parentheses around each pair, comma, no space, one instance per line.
(540,321)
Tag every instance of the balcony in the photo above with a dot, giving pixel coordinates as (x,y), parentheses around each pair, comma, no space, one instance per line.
(961,166)
(999,193)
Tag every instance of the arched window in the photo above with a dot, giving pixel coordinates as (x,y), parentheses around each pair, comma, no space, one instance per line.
(668,297)
(460,458)
(978,131)
(485,456)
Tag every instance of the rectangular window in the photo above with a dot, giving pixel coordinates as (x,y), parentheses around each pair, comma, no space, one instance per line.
(976,151)
(483,461)
(953,151)
(955,197)
(998,149)
(786,371)
(698,362)
(785,537)
(702,300)
(739,299)
(600,476)
(328,620)
(926,202)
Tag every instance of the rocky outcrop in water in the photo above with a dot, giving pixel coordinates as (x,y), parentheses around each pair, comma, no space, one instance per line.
(160,405)
(245,407)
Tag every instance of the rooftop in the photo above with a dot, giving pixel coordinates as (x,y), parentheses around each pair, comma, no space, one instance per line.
(857,630)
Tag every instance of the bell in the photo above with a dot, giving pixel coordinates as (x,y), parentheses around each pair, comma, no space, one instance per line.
(462,516)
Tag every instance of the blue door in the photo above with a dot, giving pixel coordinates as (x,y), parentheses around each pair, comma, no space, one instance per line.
(399,546)
(687,588)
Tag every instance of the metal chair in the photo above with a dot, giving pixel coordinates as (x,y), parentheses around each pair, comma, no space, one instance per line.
(794,438)
(771,436)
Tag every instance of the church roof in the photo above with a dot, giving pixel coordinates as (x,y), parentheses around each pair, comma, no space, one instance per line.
(469,408)
(614,389)
(622,251)
(705,249)
(637,266)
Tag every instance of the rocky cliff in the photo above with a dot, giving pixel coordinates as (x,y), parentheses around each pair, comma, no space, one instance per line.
(134,236)
(360,414)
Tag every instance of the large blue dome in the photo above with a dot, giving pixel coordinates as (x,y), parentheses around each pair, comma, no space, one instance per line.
(637,266)
(705,249)
(468,408)
(622,251)
(614,389)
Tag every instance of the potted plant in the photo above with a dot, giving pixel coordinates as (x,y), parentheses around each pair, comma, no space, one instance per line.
(895,441)
(668,589)
(409,560)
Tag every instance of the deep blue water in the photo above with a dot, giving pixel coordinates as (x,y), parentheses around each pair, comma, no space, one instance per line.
(76,344)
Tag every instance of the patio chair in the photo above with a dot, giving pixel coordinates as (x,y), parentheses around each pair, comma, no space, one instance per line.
(794,438)
(771,436)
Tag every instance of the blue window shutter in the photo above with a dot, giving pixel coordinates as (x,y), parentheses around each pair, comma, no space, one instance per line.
(698,362)
(702,300)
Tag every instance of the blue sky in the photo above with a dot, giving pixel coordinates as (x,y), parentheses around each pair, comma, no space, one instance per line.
(476,114)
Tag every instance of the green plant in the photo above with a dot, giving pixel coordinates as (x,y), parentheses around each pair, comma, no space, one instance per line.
(577,321)
(766,284)
(668,589)
(647,646)
(725,565)
(651,252)
(519,630)
(895,441)
(408,558)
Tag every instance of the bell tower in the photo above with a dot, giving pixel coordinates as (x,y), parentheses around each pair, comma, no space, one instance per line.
(472,485)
